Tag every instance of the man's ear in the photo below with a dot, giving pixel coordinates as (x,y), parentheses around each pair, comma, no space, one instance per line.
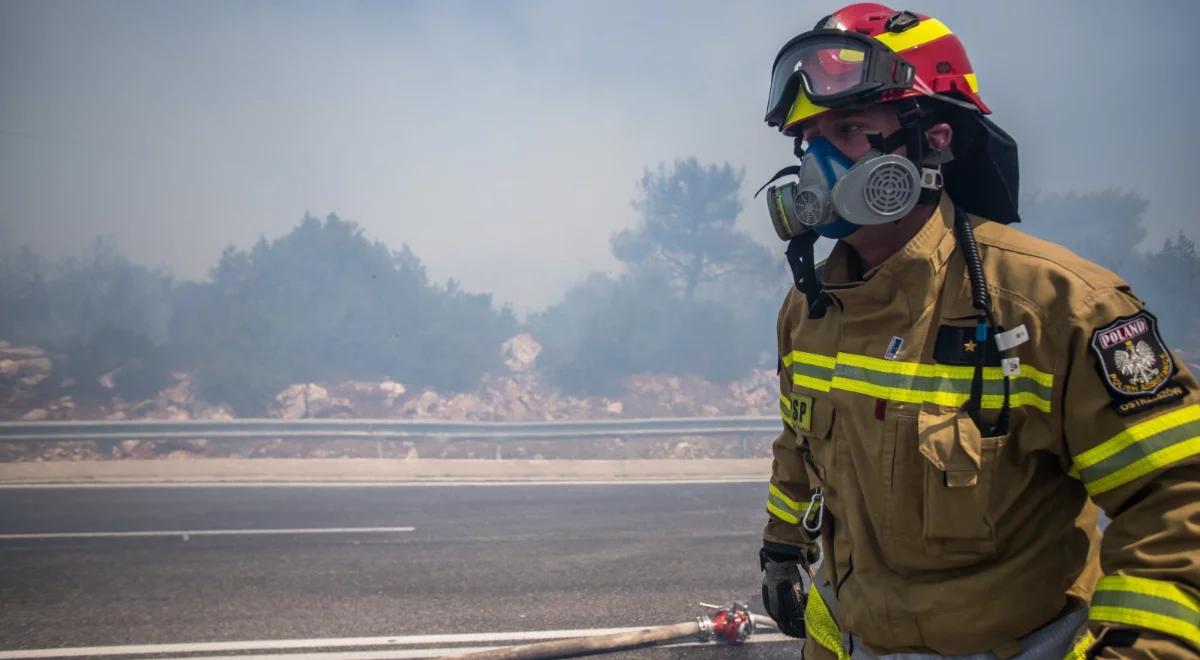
(939,136)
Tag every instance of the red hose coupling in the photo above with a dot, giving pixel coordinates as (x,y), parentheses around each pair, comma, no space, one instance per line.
(733,624)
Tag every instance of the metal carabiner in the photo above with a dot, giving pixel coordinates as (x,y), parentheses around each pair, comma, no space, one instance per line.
(818,501)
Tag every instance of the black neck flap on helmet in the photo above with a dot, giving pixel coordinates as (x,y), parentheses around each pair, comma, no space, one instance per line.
(984,177)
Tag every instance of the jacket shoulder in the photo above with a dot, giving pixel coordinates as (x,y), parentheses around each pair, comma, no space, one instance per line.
(1046,274)
(793,308)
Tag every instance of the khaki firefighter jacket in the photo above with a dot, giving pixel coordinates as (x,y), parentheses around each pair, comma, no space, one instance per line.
(937,538)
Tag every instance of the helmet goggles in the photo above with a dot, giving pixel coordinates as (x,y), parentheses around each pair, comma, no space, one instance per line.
(834,68)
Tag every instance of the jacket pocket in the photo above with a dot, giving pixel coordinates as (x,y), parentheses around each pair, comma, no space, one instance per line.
(812,418)
(960,466)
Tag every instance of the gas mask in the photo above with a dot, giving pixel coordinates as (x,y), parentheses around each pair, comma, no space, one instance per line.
(834,195)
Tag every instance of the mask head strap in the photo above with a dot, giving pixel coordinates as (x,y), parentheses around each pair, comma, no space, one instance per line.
(887,145)
(790,170)
(914,121)
(804,272)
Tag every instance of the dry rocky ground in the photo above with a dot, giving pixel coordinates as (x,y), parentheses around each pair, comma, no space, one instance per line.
(30,391)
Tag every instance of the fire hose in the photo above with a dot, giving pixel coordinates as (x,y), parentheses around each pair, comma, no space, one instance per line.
(731,625)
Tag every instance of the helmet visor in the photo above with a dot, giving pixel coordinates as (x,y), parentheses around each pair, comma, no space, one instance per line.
(834,68)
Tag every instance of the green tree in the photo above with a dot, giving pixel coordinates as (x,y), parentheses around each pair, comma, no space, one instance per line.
(687,229)
(101,312)
(607,329)
(698,297)
(324,303)
(24,309)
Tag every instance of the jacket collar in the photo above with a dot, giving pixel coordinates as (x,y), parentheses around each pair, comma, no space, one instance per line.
(912,273)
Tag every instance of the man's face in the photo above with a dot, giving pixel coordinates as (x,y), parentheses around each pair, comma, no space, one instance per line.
(847,129)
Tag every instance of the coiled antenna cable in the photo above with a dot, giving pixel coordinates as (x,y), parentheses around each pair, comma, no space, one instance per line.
(985,327)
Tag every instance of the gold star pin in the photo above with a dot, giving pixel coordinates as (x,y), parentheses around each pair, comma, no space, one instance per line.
(969,346)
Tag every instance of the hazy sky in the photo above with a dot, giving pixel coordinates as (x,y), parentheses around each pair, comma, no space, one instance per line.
(503,141)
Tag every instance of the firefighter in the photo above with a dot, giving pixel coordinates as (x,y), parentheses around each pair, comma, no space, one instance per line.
(960,400)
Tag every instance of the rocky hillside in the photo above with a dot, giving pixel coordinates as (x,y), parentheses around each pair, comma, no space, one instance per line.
(26,389)
(30,390)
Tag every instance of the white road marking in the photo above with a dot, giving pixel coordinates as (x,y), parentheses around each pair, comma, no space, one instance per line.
(286,644)
(369,484)
(399,654)
(205,532)
(407,654)
(280,644)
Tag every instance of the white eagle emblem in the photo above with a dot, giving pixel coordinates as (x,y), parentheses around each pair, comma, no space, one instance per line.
(1137,363)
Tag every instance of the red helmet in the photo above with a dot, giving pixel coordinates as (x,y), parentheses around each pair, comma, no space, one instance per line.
(864,54)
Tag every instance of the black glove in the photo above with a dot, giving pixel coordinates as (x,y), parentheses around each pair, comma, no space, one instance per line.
(783,581)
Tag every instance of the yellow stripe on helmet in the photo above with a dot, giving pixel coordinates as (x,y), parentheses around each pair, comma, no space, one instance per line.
(924,32)
(802,109)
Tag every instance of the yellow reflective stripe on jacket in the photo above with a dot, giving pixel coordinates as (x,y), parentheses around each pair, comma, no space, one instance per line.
(785,508)
(814,359)
(1151,604)
(810,369)
(915,382)
(1140,450)
(1080,649)
(785,411)
(946,371)
(820,626)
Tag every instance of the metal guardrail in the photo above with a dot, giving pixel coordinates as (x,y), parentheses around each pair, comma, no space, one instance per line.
(381,429)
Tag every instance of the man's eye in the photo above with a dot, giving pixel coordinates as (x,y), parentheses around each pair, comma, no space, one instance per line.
(849,129)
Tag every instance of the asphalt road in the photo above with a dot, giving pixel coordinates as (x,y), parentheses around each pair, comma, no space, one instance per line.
(478,559)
